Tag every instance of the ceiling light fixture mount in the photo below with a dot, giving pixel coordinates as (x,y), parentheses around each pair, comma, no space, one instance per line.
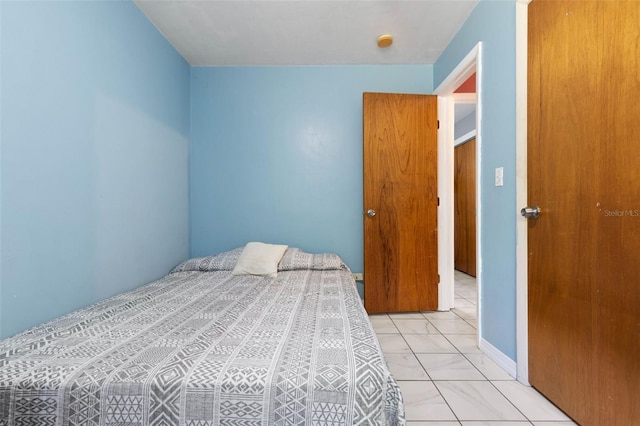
(385,40)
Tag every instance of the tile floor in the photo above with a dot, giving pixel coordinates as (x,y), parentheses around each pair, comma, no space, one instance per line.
(446,380)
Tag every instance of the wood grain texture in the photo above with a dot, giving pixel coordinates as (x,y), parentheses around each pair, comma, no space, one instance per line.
(400,169)
(584,173)
(464,187)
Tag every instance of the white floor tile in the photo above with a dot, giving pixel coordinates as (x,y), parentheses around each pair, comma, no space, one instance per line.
(406,315)
(458,326)
(446,315)
(422,401)
(530,402)
(461,276)
(477,400)
(418,344)
(488,367)
(449,367)
(414,326)
(466,313)
(460,302)
(393,344)
(429,344)
(405,367)
(382,324)
(465,343)
(466,292)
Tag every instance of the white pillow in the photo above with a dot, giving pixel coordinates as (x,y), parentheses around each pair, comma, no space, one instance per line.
(259,259)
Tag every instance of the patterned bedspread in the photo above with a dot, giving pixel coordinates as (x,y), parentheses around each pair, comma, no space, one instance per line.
(204,347)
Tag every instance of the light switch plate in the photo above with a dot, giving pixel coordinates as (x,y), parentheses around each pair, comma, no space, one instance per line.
(358,276)
(499,176)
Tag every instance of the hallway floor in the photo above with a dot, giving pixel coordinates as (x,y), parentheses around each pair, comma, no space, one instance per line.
(446,380)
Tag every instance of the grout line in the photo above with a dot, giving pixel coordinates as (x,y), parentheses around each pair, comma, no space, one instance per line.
(447,402)
(511,402)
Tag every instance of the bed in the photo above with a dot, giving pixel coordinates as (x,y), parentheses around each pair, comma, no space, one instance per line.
(203,346)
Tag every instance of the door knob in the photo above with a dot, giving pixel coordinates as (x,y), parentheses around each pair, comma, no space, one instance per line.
(530,212)
(371,212)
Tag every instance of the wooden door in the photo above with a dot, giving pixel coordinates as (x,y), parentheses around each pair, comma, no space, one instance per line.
(584,173)
(400,171)
(464,200)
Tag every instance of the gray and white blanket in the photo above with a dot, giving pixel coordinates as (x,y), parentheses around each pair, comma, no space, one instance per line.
(203,347)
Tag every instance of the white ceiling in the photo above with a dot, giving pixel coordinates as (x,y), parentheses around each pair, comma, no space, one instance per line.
(307,32)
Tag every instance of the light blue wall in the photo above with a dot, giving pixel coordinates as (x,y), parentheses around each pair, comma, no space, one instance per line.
(493,23)
(94,156)
(277,154)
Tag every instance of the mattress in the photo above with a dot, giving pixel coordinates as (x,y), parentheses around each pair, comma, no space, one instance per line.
(204,347)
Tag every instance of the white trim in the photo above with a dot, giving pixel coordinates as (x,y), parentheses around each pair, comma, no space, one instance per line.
(471,63)
(522,320)
(460,74)
(465,98)
(479,109)
(464,138)
(445,216)
(499,357)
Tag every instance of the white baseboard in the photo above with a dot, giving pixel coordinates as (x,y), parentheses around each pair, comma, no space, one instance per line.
(499,358)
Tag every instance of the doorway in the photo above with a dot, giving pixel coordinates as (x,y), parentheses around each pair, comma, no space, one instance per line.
(464,193)
(465,188)
(465,183)
(471,65)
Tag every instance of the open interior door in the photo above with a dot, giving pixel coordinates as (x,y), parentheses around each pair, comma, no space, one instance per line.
(400,202)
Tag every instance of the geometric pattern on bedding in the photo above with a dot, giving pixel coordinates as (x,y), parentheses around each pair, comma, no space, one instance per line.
(206,348)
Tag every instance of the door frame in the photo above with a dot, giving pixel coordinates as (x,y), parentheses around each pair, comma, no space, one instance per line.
(471,63)
(522,259)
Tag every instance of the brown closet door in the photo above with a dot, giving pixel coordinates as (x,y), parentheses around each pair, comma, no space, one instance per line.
(400,191)
(584,173)
(465,207)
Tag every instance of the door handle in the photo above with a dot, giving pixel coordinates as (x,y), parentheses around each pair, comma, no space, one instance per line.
(371,212)
(530,212)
